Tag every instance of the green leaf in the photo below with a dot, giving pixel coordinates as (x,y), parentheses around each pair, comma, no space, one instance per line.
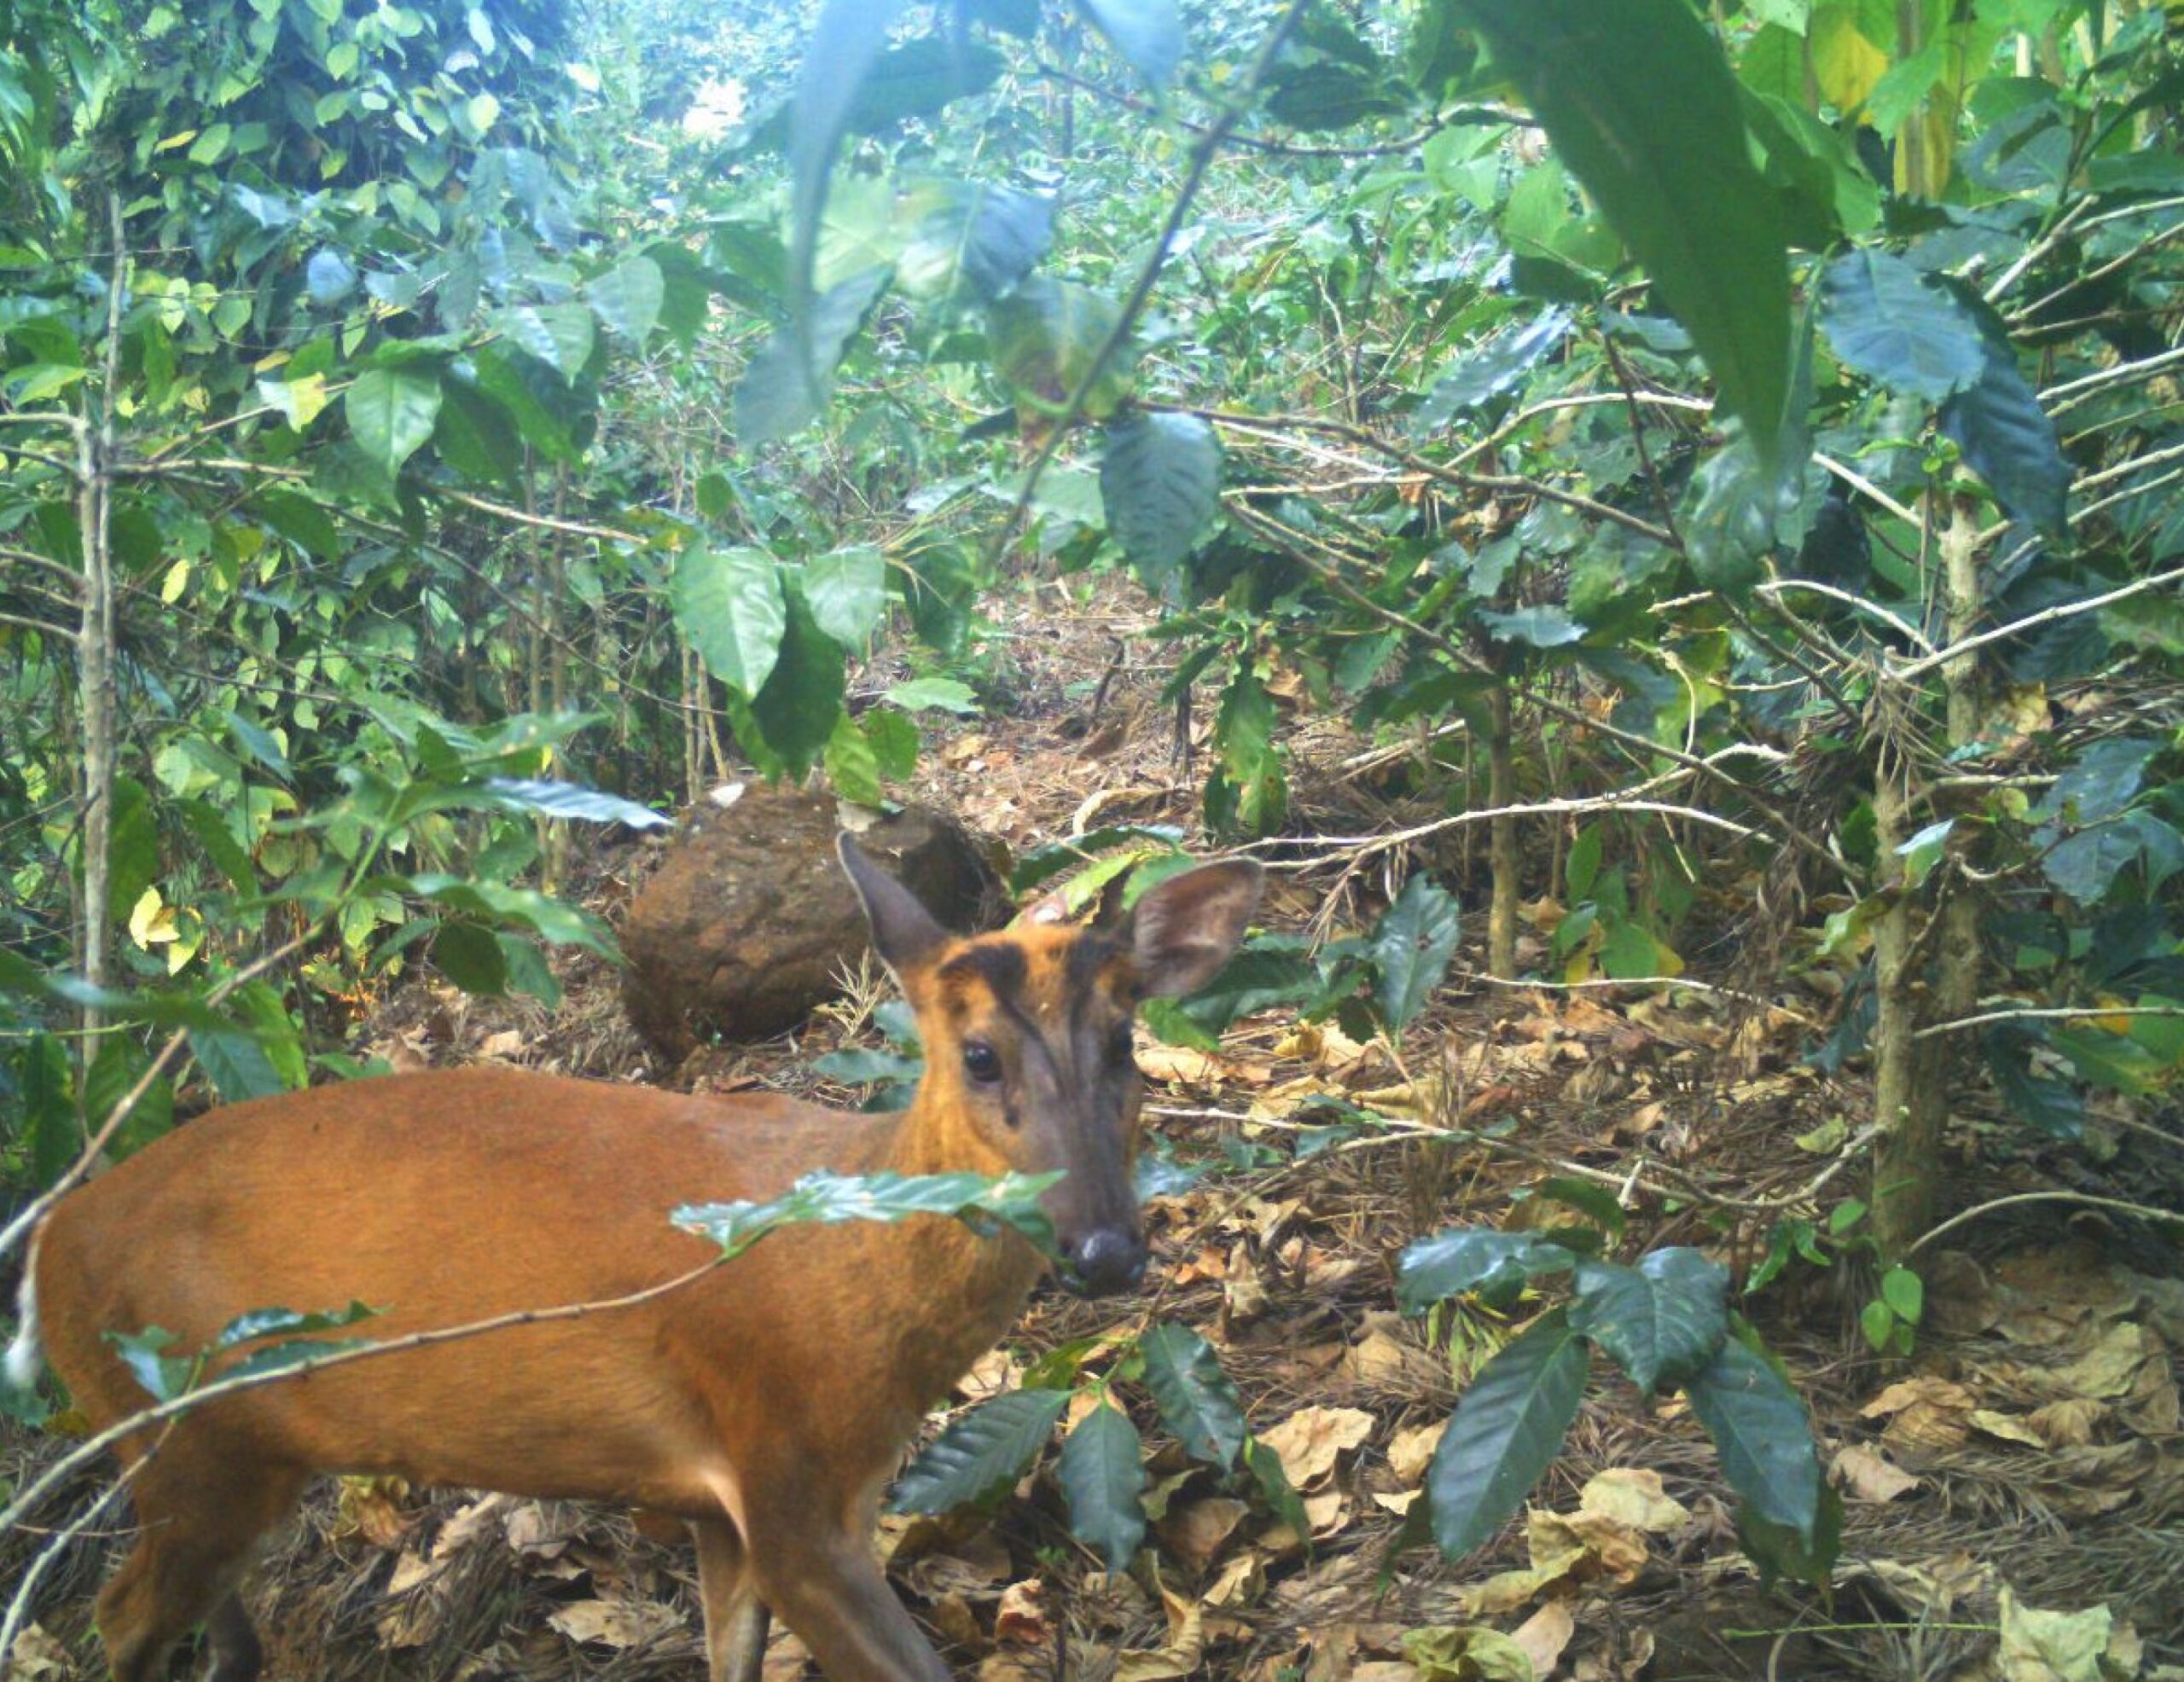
(248,1328)
(980,1454)
(560,336)
(1905,1293)
(1487,373)
(1462,1259)
(1103,1475)
(1759,1427)
(46,1088)
(784,388)
(1540,626)
(1197,1401)
(1159,484)
(116,1069)
(825,1199)
(1274,1488)
(571,801)
(1505,1433)
(1661,1320)
(935,694)
(468,955)
(1889,325)
(2052,1106)
(1412,945)
(862,1067)
(390,412)
(894,741)
(1044,336)
(528,970)
(627,299)
(132,847)
(919,78)
(981,243)
(235,1063)
(851,764)
(2008,440)
(730,604)
(1147,34)
(847,590)
(1640,104)
(163,1377)
(796,709)
(261,744)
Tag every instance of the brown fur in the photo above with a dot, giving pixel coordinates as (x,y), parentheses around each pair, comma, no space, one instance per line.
(766,1403)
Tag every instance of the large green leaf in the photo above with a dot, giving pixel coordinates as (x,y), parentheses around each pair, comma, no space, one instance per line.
(796,709)
(788,382)
(1197,1400)
(235,1063)
(1889,325)
(1505,1433)
(1759,1427)
(390,413)
(560,336)
(2009,441)
(980,1454)
(1147,34)
(1473,1258)
(847,591)
(45,1087)
(627,299)
(1159,484)
(1640,103)
(1103,1475)
(729,603)
(1486,374)
(982,241)
(919,77)
(825,1199)
(1045,335)
(1663,1320)
(1415,939)
(571,800)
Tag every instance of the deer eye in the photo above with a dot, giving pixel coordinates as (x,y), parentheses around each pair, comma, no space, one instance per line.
(981,1062)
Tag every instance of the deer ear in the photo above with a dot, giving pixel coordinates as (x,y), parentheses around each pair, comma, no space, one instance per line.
(904,932)
(1183,930)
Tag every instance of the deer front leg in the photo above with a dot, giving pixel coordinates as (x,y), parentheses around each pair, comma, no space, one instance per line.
(819,1575)
(735,1617)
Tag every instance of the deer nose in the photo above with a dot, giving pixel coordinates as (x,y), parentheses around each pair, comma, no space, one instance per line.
(1108,1260)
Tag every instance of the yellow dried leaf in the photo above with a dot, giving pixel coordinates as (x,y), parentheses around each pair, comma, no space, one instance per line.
(1308,1442)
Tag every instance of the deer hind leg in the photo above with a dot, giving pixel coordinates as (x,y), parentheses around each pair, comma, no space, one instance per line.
(736,1619)
(201,1504)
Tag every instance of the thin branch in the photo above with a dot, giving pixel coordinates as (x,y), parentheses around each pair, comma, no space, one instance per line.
(2160,1217)
(1858,482)
(1901,626)
(605,534)
(2059,1014)
(2046,615)
(30,1493)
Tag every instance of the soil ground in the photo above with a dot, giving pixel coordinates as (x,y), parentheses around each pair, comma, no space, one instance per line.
(2025,1463)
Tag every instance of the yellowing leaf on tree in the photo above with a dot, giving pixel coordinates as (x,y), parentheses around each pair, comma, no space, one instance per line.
(151,923)
(1846,64)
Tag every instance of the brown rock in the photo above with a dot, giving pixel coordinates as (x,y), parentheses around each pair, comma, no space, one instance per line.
(745,927)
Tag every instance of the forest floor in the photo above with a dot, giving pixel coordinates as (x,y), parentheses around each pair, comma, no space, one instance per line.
(2024,1464)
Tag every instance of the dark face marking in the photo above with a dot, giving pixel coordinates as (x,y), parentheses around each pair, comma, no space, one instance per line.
(1042,1019)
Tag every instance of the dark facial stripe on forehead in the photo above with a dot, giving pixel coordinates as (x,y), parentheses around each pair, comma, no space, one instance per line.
(1001,967)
